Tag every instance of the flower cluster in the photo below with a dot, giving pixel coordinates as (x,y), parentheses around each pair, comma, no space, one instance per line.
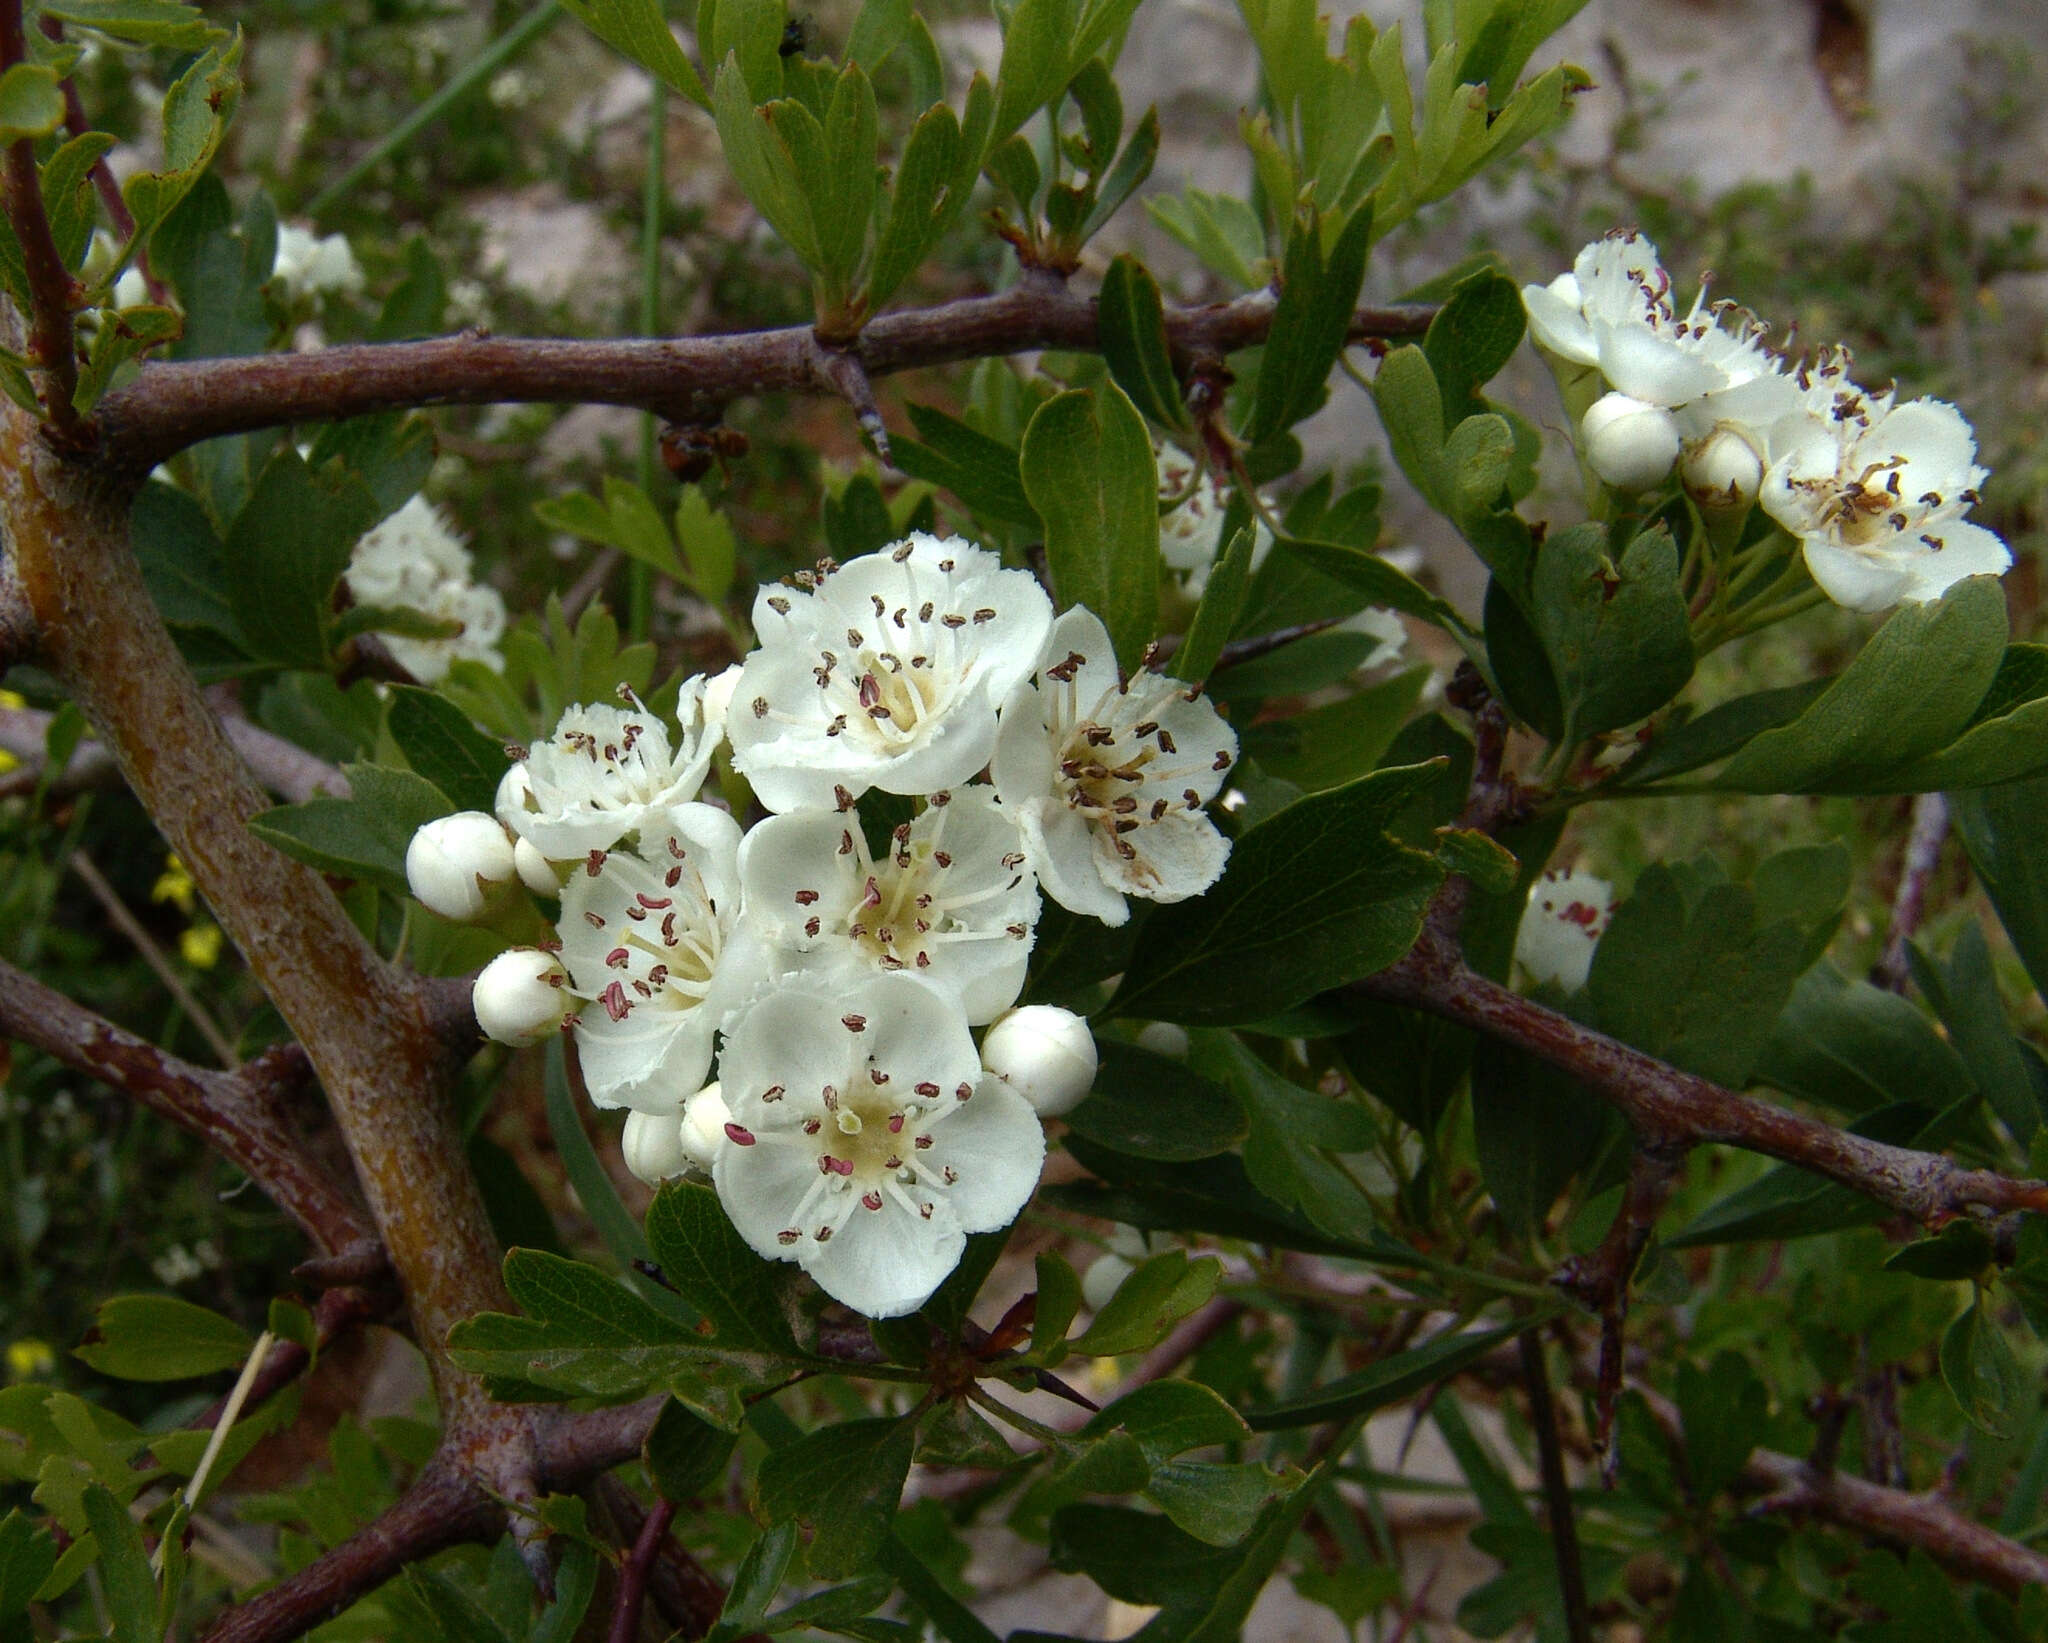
(1875,491)
(414,562)
(310,268)
(832,962)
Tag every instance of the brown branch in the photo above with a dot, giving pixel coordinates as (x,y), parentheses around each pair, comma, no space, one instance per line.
(1560,1521)
(335,1314)
(52,290)
(639,1564)
(1669,1108)
(103,179)
(1600,1281)
(173,404)
(1894,967)
(686,1594)
(238,1114)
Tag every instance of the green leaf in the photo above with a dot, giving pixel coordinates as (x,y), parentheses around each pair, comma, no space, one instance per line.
(181,559)
(1310,322)
(1533,1129)
(1962,1249)
(1294,1133)
(710,1265)
(1168,1418)
(1150,1301)
(684,1453)
(639,28)
(1208,1195)
(1473,336)
(980,471)
(125,1577)
(1217,1503)
(418,303)
(2005,831)
(709,546)
(1132,325)
(843,193)
(1216,616)
(1726,1409)
(31,102)
(196,112)
(161,1338)
(286,550)
(1313,897)
(1856,1048)
(1616,635)
(1155,1107)
(1982,1373)
(1380,582)
(843,1483)
(1678,748)
(760,146)
(1136,1557)
(122,335)
(140,22)
(1089,472)
(1911,690)
(1037,38)
(68,192)
(1338,742)
(27,1555)
(364,836)
(756,1582)
(922,199)
(1059,1298)
(440,743)
(1391,1380)
(1965,995)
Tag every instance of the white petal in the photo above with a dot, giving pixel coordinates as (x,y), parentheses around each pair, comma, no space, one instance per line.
(911,1032)
(1653,368)
(1966,550)
(1176,857)
(1556,323)
(762,1187)
(997,1147)
(651,1061)
(790,1037)
(793,870)
(1062,848)
(1856,581)
(884,1263)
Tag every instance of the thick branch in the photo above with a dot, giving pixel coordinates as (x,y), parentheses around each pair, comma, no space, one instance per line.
(1669,1108)
(237,1114)
(50,285)
(171,405)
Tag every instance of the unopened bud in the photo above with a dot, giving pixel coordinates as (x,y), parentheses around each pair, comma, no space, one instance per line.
(1102,1280)
(535,871)
(1629,444)
(1164,1038)
(652,1146)
(1045,1054)
(453,863)
(1722,470)
(705,1116)
(520,997)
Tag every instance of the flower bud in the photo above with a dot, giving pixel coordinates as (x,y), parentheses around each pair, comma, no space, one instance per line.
(1722,470)
(1164,1038)
(705,1116)
(453,862)
(1102,1280)
(535,871)
(1629,444)
(1564,921)
(1045,1054)
(520,996)
(652,1146)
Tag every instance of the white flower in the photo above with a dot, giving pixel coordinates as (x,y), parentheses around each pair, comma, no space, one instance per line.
(1629,444)
(519,997)
(952,900)
(865,1143)
(646,939)
(454,863)
(885,672)
(1876,493)
(131,290)
(1107,777)
(414,561)
(1565,919)
(606,774)
(1106,1274)
(1378,623)
(705,1116)
(309,267)
(651,1146)
(1044,1053)
(1191,532)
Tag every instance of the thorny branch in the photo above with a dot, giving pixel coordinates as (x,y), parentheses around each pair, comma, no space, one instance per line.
(688,380)
(1929,833)
(1669,1108)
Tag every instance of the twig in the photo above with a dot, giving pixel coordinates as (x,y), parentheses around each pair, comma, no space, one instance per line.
(224,1423)
(103,179)
(1561,1522)
(237,1114)
(633,1575)
(1894,969)
(283,767)
(1601,1281)
(686,1594)
(175,403)
(144,943)
(840,371)
(1670,1108)
(52,291)
(337,1312)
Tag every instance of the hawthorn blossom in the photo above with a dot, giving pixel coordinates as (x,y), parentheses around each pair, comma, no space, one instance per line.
(519,997)
(884,672)
(1044,1053)
(1876,494)
(454,865)
(1107,777)
(309,267)
(414,561)
(1567,915)
(865,1143)
(647,941)
(1191,530)
(606,774)
(952,899)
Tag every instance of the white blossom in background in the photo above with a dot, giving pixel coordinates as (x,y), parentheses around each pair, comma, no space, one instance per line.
(454,864)
(310,268)
(1385,628)
(1107,1272)
(1107,777)
(1044,1053)
(606,774)
(885,672)
(864,1142)
(1568,913)
(1876,493)
(647,941)
(413,561)
(1191,531)
(953,900)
